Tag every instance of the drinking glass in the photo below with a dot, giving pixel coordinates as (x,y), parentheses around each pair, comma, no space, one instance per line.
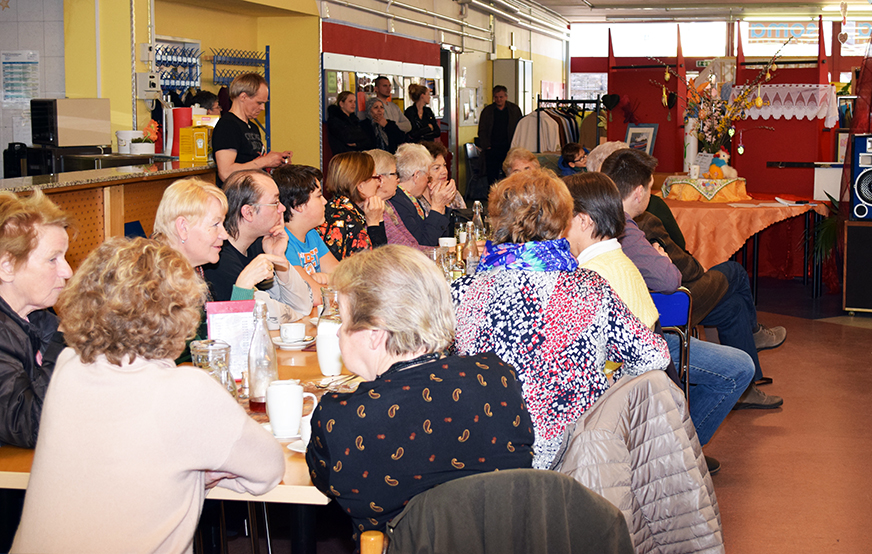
(213,357)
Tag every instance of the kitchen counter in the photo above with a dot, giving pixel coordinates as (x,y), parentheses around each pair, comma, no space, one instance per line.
(101,201)
(113,175)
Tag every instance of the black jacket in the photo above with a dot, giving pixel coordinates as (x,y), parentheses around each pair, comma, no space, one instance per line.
(343,131)
(421,129)
(23,383)
(395,135)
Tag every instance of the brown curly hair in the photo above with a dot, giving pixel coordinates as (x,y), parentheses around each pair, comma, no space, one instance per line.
(131,298)
(529,206)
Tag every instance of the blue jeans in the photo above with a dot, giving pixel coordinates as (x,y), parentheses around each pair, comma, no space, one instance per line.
(735,316)
(718,376)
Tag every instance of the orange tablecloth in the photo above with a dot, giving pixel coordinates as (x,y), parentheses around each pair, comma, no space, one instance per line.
(715,231)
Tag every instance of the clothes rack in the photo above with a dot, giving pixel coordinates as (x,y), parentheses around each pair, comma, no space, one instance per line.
(542,103)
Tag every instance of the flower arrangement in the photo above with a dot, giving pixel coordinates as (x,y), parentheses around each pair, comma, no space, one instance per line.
(149,133)
(709,104)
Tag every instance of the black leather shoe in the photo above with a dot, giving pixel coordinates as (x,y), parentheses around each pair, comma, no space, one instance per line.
(713,464)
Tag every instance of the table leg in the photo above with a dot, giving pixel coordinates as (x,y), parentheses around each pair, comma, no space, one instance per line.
(817,288)
(806,244)
(302,529)
(754,265)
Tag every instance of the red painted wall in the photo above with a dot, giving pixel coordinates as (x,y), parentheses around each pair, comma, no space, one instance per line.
(343,39)
(636,85)
(793,140)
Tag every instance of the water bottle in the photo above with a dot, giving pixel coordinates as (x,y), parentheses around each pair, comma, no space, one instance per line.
(263,366)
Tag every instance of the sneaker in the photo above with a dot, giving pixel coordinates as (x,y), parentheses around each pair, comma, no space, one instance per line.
(755,399)
(769,337)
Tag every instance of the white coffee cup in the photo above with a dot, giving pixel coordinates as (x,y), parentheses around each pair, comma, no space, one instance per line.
(284,406)
(293,332)
(327,346)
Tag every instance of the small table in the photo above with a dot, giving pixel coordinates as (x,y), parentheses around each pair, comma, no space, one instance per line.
(714,231)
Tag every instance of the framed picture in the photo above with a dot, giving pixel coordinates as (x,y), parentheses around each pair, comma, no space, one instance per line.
(642,136)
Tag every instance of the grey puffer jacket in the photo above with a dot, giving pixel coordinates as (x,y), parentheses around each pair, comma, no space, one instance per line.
(638,448)
(23,382)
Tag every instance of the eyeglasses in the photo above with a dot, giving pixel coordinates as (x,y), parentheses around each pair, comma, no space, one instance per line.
(395,174)
(274,204)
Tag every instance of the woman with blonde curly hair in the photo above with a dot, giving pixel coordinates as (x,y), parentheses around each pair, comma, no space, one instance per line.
(33,271)
(430,418)
(129,442)
(529,303)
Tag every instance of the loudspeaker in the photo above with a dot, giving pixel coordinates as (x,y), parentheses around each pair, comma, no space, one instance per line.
(861,178)
(857,289)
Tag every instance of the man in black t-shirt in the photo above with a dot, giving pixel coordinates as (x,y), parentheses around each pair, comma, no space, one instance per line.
(236,141)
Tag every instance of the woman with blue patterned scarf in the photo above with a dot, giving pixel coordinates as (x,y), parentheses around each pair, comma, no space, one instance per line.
(555,323)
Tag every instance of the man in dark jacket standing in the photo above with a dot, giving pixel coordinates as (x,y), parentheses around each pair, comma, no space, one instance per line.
(496,129)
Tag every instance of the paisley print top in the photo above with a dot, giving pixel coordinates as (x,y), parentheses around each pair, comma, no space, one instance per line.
(412,429)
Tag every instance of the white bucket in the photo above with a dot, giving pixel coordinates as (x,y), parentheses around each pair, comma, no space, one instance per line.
(124,138)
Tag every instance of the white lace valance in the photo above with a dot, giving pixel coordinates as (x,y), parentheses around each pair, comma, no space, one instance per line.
(799,101)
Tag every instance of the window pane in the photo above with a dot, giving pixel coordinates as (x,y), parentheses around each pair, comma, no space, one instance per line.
(764,38)
(706,39)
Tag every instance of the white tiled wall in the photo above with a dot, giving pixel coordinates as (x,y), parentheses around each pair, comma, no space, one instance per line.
(34,25)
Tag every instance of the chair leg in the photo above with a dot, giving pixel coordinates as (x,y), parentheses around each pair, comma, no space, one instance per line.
(266,527)
(252,527)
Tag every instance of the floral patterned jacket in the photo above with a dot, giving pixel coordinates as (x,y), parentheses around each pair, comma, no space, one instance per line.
(345,231)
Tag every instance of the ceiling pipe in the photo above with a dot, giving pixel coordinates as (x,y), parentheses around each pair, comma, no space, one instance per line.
(408,20)
(437,15)
(563,35)
(519,14)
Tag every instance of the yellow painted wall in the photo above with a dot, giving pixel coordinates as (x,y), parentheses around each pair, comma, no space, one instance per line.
(80,49)
(294,76)
(80,38)
(213,28)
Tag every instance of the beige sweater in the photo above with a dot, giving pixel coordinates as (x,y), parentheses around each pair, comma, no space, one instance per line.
(122,453)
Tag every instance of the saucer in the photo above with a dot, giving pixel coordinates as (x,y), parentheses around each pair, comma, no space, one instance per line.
(297,446)
(297,345)
(268,427)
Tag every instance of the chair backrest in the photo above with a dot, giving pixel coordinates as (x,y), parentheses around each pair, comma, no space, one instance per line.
(525,511)
(674,308)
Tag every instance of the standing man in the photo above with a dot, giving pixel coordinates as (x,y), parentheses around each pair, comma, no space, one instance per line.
(236,139)
(393,112)
(496,129)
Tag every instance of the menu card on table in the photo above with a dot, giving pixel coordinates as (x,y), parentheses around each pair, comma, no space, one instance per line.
(233,323)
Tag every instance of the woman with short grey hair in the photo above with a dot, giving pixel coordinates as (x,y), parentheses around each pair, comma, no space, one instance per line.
(420,418)
(413,165)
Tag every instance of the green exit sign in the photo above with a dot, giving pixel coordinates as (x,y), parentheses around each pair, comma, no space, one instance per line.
(703,63)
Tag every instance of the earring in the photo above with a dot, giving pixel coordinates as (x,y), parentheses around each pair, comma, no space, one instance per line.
(183,241)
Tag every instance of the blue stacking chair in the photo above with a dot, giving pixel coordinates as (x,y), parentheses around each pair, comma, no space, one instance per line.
(674,312)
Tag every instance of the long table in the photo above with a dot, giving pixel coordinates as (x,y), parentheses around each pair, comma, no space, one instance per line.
(714,231)
(296,486)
